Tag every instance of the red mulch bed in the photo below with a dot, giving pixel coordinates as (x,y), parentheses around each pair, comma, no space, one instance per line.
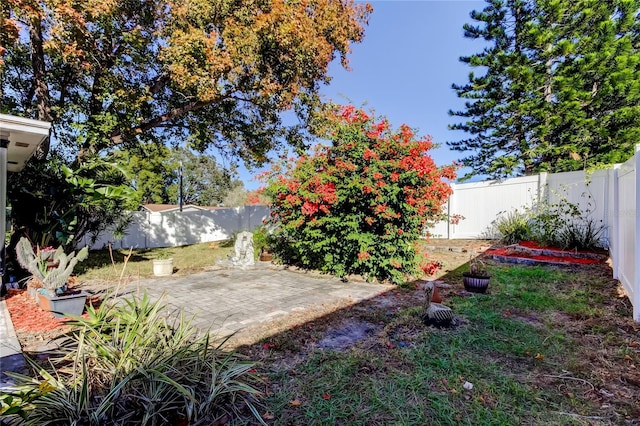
(530,250)
(507,252)
(534,245)
(27,316)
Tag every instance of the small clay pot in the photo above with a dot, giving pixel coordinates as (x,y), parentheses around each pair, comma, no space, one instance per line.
(265,256)
(436,298)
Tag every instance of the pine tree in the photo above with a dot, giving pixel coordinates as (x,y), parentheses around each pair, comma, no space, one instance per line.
(599,86)
(497,99)
(571,100)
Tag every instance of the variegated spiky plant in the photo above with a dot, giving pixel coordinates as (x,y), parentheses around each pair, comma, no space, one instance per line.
(55,276)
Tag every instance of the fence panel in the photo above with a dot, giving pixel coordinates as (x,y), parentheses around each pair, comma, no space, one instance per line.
(626,255)
(152,229)
(589,192)
(481,202)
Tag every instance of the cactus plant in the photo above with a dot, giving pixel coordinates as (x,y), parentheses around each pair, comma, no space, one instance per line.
(55,277)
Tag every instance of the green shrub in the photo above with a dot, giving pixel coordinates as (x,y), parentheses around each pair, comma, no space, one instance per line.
(549,219)
(129,364)
(513,226)
(359,205)
(583,234)
(560,224)
(262,239)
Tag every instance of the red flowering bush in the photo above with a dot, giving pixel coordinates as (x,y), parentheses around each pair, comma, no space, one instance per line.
(359,205)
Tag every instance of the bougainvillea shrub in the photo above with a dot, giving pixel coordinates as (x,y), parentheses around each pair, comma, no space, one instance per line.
(358,205)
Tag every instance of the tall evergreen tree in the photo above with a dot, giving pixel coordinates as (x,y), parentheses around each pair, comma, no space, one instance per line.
(567,86)
(496,98)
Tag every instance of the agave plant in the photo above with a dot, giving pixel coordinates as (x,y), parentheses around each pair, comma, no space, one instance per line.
(53,271)
(128,363)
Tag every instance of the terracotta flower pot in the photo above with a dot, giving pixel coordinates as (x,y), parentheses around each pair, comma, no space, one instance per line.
(436,298)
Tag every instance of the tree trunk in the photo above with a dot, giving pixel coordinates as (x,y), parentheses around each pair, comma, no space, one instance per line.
(41,89)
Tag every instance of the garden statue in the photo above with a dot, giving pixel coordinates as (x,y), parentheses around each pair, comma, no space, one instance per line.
(435,313)
(243,250)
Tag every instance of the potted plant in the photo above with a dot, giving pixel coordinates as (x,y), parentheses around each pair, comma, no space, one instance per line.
(477,279)
(162,264)
(51,270)
(261,242)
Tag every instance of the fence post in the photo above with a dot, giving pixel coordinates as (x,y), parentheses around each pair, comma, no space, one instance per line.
(542,192)
(636,283)
(615,225)
(450,209)
(614,247)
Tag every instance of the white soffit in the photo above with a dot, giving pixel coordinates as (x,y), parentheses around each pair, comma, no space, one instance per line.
(24,136)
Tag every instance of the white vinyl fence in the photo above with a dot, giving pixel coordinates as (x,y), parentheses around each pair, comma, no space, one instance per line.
(481,203)
(174,228)
(609,197)
(625,241)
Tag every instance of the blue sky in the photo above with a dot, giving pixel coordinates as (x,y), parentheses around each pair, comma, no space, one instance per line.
(404,68)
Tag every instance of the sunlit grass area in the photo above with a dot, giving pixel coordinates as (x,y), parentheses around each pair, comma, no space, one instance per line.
(103,265)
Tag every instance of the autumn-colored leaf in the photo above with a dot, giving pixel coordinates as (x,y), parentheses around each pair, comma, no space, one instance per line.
(326,396)
(538,356)
(295,403)
(628,358)
(268,416)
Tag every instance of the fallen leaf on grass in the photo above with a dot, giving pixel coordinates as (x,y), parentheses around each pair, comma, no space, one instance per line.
(295,403)
(538,356)
(326,396)
(268,416)
(628,358)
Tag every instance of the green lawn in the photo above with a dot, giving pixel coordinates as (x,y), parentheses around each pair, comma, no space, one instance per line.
(546,346)
(108,267)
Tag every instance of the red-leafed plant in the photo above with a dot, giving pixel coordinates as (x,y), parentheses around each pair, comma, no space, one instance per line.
(359,205)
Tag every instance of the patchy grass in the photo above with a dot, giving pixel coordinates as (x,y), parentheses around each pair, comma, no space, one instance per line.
(186,260)
(546,345)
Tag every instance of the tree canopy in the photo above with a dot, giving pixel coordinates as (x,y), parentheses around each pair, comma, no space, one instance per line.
(557,88)
(155,171)
(212,73)
(123,74)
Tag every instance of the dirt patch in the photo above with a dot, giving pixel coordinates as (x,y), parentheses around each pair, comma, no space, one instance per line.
(346,335)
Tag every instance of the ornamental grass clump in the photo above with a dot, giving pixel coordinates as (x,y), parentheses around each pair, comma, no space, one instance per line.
(359,205)
(127,363)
